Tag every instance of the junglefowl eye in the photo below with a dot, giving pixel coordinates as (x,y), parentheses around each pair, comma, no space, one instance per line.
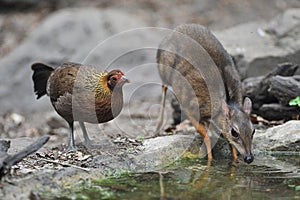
(234,133)
(114,78)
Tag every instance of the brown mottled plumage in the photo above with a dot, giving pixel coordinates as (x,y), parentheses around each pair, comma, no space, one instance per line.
(202,74)
(80,93)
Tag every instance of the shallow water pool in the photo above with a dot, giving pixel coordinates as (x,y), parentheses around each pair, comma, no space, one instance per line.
(268,177)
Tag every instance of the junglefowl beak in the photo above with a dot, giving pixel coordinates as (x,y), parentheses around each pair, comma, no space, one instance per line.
(124,79)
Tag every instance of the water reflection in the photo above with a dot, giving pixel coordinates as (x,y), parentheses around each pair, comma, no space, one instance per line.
(218,180)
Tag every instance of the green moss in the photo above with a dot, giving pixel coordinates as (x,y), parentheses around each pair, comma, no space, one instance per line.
(141,138)
(103,188)
(187,159)
(119,174)
(84,190)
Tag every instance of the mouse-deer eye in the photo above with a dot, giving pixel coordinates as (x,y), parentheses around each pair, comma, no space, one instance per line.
(234,133)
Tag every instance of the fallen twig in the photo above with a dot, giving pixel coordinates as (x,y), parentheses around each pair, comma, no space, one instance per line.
(6,160)
(65,164)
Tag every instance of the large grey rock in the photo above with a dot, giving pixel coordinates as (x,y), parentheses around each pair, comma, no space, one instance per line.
(160,152)
(264,44)
(80,35)
(285,137)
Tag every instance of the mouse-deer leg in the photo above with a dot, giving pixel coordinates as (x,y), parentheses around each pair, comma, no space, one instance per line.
(233,151)
(162,108)
(201,129)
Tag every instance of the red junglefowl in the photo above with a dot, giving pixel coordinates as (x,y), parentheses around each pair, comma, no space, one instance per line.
(80,93)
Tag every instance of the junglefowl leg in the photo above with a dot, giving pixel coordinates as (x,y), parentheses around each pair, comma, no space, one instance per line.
(71,147)
(87,140)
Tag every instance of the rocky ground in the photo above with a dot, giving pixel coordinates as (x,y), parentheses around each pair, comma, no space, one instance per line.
(259,34)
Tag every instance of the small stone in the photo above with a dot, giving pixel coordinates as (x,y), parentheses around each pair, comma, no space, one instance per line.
(79,154)
(85,157)
(17,119)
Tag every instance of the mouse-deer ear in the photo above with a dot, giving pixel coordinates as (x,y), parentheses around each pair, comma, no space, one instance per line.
(247,105)
(225,109)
